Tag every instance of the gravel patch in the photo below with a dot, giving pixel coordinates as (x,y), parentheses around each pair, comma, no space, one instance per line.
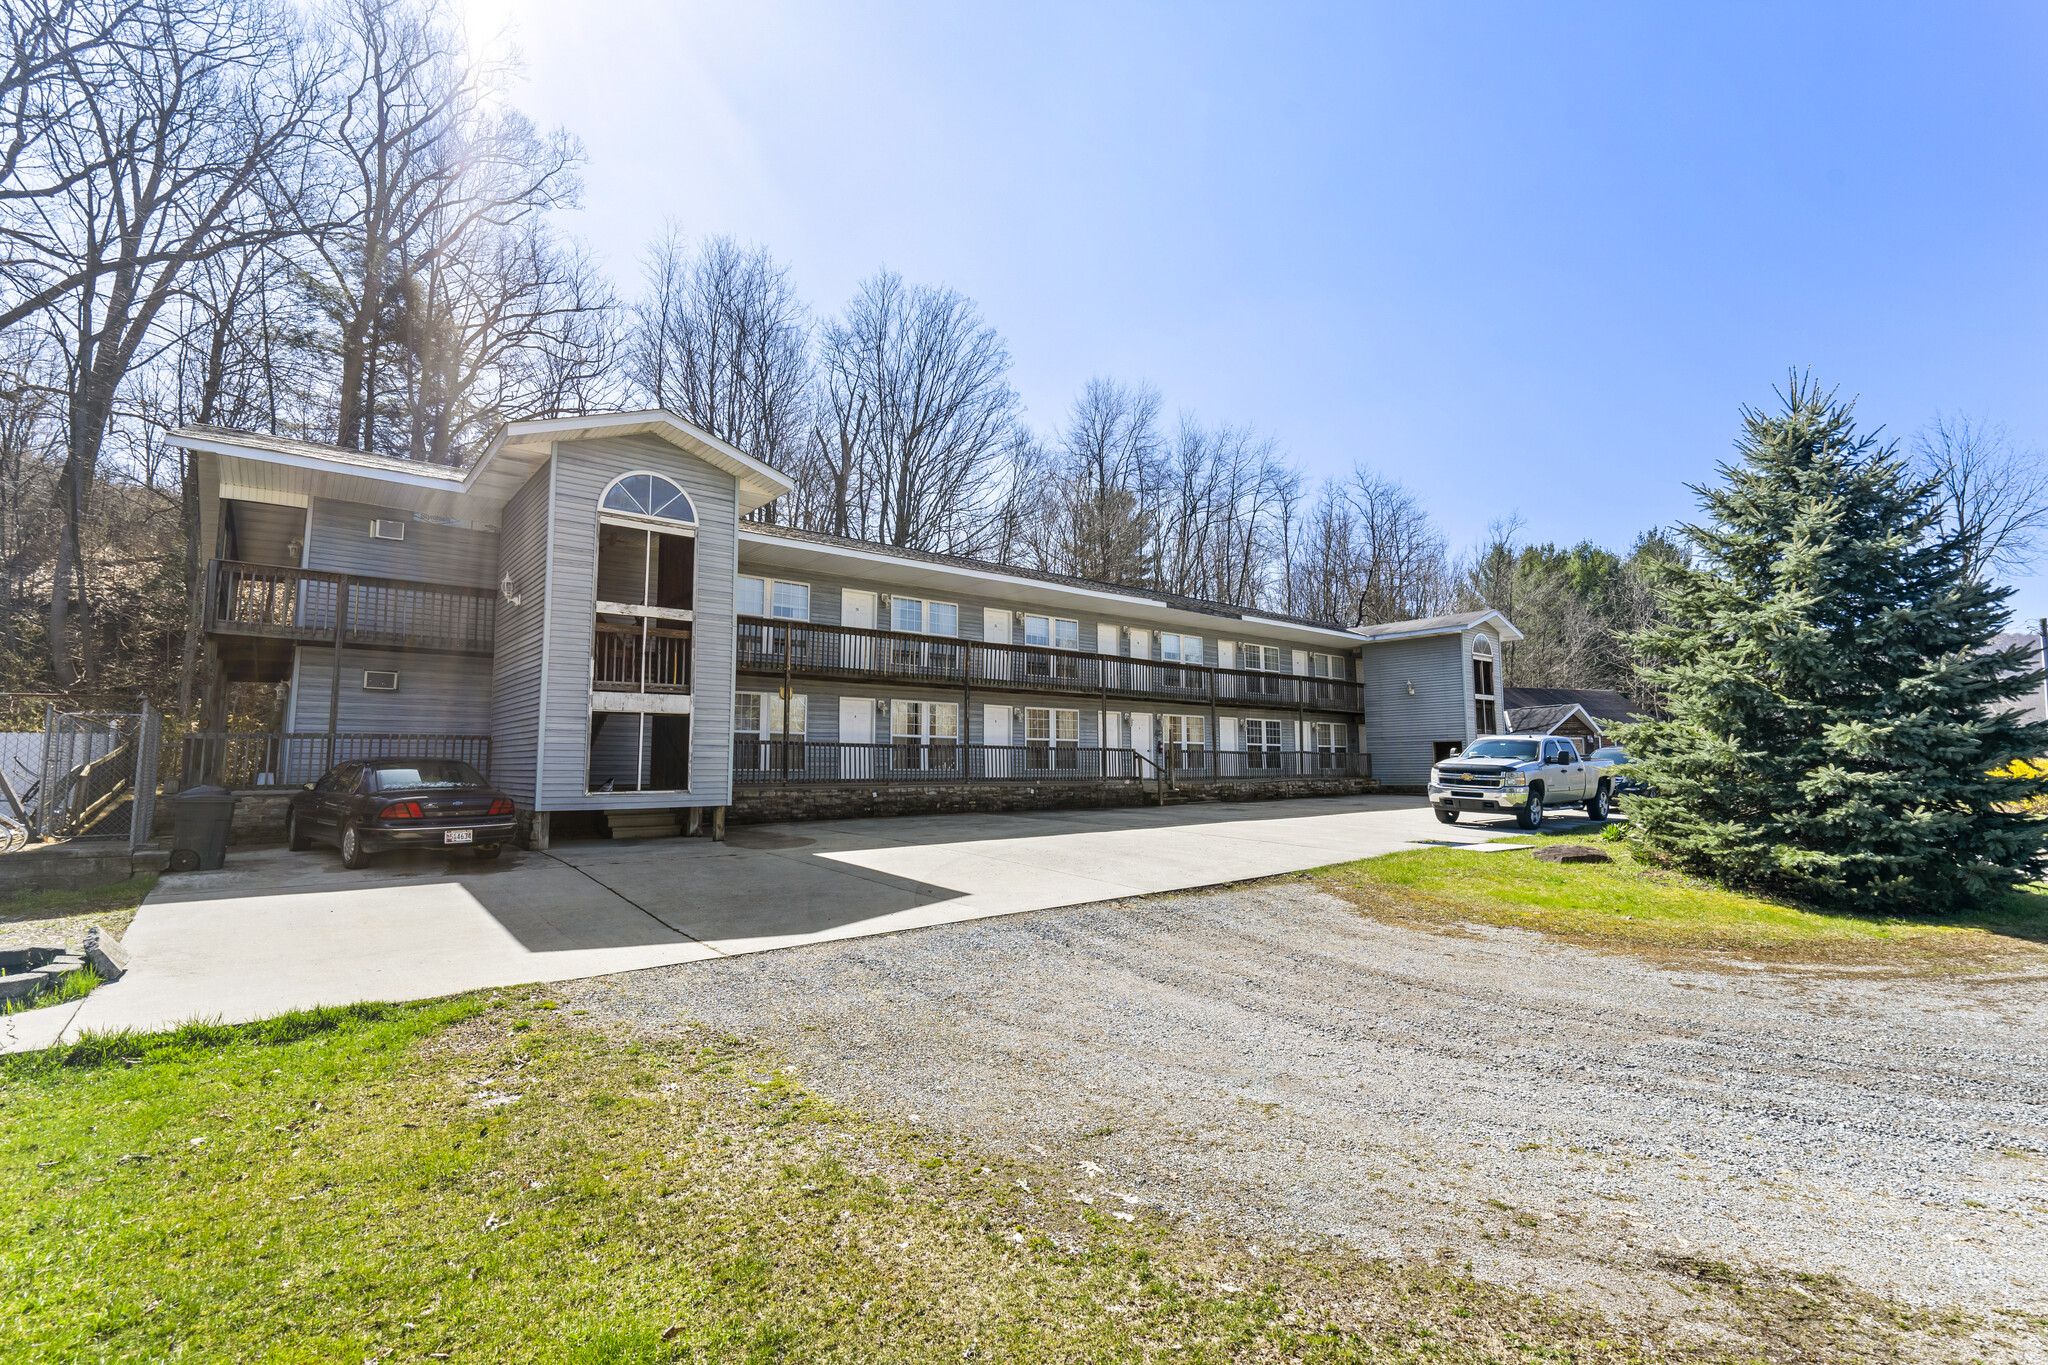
(1271,1062)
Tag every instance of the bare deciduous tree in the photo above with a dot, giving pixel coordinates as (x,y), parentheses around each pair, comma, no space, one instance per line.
(179,135)
(721,339)
(917,386)
(1994,494)
(439,270)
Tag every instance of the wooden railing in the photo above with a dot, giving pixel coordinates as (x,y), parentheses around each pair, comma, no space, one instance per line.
(768,645)
(303,604)
(255,761)
(639,658)
(763,762)
(770,761)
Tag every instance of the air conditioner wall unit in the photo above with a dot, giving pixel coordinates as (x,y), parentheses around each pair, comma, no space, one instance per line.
(380,680)
(387,530)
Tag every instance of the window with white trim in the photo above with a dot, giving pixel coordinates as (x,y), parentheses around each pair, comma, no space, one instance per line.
(1329,740)
(925,735)
(759,719)
(1052,739)
(1187,741)
(917,616)
(1262,740)
(1264,661)
(789,601)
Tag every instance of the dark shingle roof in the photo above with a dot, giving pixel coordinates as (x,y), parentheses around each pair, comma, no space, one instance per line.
(1602,704)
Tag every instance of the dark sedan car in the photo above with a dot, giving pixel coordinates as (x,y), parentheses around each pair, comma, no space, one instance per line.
(376,804)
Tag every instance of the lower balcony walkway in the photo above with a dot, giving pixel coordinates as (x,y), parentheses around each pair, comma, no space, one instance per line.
(274,931)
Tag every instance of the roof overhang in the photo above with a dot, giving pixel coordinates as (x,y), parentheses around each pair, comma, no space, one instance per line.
(800,556)
(521,447)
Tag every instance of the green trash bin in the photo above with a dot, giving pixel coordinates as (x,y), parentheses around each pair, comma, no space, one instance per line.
(199,828)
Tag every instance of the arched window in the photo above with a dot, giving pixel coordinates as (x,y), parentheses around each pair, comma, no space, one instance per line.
(648,495)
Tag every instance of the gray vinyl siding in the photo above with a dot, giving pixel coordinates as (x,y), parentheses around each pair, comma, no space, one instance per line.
(515,674)
(438,694)
(338,540)
(583,468)
(825,611)
(1401,730)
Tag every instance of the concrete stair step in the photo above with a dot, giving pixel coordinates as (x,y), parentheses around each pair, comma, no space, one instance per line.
(642,824)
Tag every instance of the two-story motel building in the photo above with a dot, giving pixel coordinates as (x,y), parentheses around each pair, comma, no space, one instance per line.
(586,614)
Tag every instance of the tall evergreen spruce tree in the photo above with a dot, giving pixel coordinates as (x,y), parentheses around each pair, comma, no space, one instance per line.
(1834,717)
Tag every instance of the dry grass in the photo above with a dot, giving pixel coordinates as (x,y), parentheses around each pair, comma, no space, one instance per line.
(36,917)
(1634,906)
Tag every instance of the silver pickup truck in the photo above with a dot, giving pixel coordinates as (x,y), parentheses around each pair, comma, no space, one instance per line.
(1523,774)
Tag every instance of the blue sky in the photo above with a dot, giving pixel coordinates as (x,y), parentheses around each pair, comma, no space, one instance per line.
(1524,258)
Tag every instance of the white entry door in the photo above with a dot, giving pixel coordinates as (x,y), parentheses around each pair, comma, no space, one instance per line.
(1139,673)
(857,608)
(857,726)
(996,737)
(1142,741)
(995,630)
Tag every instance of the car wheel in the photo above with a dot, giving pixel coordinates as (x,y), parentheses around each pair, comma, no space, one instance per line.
(1531,815)
(295,837)
(486,852)
(1596,809)
(1448,817)
(352,854)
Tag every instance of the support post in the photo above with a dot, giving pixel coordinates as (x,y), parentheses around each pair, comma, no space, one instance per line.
(1300,731)
(718,824)
(966,747)
(537,831)
(1215,733)
(788,697)
(334,694)
(696,826)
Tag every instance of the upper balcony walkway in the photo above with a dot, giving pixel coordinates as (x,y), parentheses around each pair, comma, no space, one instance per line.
(279,602)
(853,654)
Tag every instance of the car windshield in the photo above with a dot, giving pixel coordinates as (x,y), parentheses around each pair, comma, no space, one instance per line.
(424,772)
(1502,748)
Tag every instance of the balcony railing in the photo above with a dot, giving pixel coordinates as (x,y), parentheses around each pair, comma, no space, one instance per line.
(759,762)
(855,654)
(303,604)
(255,761)
(636,659)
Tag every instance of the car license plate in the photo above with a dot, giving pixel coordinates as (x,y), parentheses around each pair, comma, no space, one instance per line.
(459,836)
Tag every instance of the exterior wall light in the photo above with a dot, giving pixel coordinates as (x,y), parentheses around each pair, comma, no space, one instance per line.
(507,591)
(1411,685)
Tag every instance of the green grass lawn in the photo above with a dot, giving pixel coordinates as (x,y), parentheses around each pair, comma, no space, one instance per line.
(1636,905)
(489,1180)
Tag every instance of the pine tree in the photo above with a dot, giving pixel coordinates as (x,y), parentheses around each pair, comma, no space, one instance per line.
(1834,714)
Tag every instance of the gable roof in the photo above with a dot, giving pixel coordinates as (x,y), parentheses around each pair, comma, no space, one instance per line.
(1456,624)
(514,453)
(1604,705)
(1544,720)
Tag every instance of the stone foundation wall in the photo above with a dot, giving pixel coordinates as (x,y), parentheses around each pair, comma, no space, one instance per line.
(772,806)
(257,819)
(74,866)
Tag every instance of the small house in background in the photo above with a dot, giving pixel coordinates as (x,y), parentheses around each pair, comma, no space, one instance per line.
(2034,705)
(1583,714)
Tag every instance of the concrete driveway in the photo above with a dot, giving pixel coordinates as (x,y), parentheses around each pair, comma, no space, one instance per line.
(276,931)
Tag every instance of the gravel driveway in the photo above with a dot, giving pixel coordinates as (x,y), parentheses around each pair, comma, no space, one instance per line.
(1274,1061)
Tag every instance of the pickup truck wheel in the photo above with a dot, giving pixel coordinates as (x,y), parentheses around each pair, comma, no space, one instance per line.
(1596,809)
(1531,815)
(1447,817)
